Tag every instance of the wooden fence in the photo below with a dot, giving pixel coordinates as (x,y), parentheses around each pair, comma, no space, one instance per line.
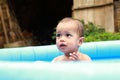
(100,12)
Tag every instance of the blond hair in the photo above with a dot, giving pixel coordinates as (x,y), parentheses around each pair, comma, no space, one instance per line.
(80,29)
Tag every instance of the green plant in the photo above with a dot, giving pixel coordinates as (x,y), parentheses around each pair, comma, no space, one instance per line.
(92,29)
(105,36)
(97,33)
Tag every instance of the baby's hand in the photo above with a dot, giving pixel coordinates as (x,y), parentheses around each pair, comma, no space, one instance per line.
(74,56)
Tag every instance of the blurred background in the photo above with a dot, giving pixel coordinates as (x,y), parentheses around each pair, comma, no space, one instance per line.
(33,22)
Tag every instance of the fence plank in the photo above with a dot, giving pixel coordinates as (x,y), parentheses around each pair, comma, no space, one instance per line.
(100,12)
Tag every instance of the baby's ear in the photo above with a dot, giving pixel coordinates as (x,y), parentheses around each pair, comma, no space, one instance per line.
(81,39)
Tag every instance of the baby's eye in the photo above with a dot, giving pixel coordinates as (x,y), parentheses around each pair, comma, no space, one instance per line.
(68,35)
(58,35)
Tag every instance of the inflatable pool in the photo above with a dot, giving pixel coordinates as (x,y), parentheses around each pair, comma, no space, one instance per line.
(34,63)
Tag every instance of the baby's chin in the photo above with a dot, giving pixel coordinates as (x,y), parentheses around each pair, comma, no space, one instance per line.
(68,53)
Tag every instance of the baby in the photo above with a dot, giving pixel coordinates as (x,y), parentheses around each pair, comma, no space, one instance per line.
(69,37)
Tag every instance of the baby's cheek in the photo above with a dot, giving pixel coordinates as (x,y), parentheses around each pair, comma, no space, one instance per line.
(71,49)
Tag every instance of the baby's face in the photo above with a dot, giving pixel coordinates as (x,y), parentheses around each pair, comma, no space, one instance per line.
(67,38)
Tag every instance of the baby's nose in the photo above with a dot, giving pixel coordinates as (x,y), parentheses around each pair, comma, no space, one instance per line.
(62,39)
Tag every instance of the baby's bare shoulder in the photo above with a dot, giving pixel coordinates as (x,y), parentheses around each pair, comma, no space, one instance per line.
(85,57)
(59,58)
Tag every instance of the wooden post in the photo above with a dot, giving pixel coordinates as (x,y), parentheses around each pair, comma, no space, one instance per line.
(3,25)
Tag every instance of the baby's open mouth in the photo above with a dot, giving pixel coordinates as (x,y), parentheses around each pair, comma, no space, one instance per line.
(63,45)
